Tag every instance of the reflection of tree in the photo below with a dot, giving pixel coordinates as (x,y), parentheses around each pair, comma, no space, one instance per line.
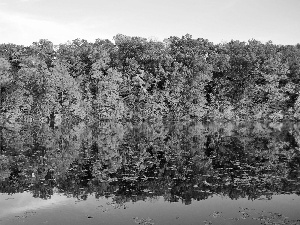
(179,161)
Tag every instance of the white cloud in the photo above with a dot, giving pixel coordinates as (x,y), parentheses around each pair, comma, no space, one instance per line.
(29,0)
(24,29)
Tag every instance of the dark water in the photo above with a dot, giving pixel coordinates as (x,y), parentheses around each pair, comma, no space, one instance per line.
(160,173)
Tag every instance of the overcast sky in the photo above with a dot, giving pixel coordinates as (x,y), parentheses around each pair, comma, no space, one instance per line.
(27,21)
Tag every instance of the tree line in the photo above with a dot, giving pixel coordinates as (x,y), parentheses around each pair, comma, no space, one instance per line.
(133,78)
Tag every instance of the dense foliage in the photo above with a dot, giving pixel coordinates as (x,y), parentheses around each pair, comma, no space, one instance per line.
(140,79)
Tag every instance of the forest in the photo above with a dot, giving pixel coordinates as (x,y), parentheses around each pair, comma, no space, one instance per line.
(137,120)
(137,79)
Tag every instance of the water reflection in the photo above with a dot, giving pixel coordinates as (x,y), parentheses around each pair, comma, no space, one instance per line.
(173,162)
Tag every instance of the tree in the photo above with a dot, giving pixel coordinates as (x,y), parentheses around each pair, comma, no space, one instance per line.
(5,74)
(107,103)
(64,95)
(191,73)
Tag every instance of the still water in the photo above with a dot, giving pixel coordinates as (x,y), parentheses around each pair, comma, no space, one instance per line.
(159,173)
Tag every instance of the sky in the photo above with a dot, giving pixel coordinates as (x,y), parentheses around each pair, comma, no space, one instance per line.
(27,21)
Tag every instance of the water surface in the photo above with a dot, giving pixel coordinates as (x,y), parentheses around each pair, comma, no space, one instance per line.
(161,173)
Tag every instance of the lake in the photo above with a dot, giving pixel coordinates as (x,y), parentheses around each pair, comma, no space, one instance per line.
(150,173)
